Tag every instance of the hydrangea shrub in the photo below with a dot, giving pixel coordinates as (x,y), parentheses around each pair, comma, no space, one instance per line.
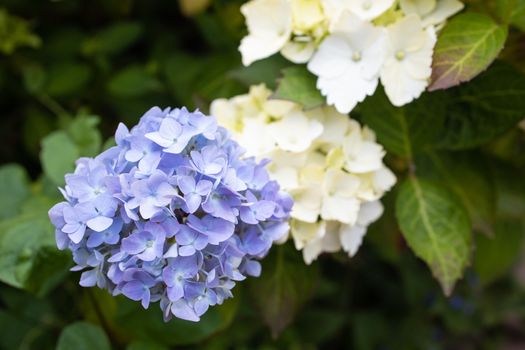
(173,213)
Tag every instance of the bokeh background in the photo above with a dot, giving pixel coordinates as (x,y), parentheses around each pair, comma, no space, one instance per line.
(71,70)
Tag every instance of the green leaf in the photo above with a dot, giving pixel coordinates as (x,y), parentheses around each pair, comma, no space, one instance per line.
(467,175)
(29,258)
(113,39)
(468,44)
(298,85)
(407,130)
(517,17)
(484,108)
(84,133)
(34,78)
(261,72)
(15,32)
(495,256)
(133,81)
(285,285)
(67,78)
(58,156)
(436,227)
(14,187)
(83,336)
(49,268)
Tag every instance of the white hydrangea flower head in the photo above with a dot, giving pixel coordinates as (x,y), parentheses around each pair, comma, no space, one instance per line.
(332,166)
(348,62)
(351,45)
(408,64)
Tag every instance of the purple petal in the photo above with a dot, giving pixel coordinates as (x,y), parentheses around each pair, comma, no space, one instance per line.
(89,278)
(182,310)
(135,290)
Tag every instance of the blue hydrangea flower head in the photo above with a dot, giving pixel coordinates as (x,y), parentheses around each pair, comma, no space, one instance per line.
(173,213)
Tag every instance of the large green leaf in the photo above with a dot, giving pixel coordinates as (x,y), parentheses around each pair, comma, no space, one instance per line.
(436,227)
(83,336)
(466,47)
(467,175)
(484,108)
(285,285)
(298,85)
(14,187)
(58,155)
(407,130)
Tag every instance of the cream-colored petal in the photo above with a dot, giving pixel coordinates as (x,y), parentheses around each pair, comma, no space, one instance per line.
(304,233)
(298,52)
(418,7)
(307,14)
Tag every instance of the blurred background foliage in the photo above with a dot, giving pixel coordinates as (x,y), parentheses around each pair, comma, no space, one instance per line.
(71,70)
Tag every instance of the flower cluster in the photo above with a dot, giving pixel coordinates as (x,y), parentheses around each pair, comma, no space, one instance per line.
(173,213)
(330,164)
(351,45)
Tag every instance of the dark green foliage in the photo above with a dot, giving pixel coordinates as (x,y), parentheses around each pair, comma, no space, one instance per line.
(70,71)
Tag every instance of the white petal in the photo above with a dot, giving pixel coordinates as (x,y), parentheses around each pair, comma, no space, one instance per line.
(340,209)
(369,212)
(269,24)
(351,238)
(347,90)
(307,206)
(334,123)
(332,58)
(340,183)
(226,114)
(330,241)
(368,158)
(384,179)
(369,9)
(312,251)
(295,132)
(304,233)
(443,10)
